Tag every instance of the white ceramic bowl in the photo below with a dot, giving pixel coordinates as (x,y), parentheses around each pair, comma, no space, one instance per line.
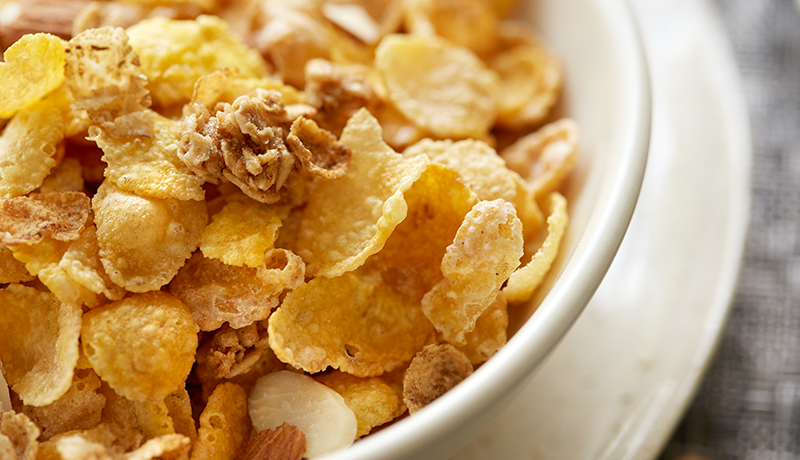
(607,93)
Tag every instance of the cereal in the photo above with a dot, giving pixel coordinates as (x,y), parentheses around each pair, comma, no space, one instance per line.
(241,234)
(467,23)
(39,349)
(33,67)
(372,400)
(17,437)
(489,334)
(369,200)
(353,322)
(66,177)
(319,412)
(12,270)
(433,371)
(145,241)
(485,252)
(26,220)
(524,281)
(143,345)
(442,88)
(224,425)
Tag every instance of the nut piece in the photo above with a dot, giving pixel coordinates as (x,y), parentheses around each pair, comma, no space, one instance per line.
(433,372)
(285,442)
(288,397)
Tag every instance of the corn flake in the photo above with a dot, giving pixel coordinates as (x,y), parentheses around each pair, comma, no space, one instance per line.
(241,234)
(354,323)
(433,372)
(149,166)
(368,201)
(442,88)
(18,437)
(33,67)
(467,23)
(485,252)
(28,219)
(66,177)
(372,400)
(143,345)
(12,270)
(144,241)
(224,425)
(489,334)
(174,54)
(39,349)
(524,281)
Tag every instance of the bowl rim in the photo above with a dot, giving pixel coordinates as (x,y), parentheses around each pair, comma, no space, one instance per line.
(516,362)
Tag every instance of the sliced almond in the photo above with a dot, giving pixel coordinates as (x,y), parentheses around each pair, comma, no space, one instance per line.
(285,442)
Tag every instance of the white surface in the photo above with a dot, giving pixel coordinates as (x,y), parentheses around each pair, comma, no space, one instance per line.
(608,95)
(622,378)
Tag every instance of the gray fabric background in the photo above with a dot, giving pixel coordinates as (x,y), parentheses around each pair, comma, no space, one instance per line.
(749,404)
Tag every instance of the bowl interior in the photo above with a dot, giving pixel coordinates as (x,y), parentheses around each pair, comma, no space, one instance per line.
(607,93)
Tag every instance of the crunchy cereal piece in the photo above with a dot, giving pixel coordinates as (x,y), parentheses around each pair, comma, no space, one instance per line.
(368,199)
(216,292)
(171,446)
(531,82)
(12,270)
(289,40)
(524,281)
(103,75)
(29,143)
(489,334)
(467,23)
(152,418)
(285,442)
(79,447)
(318,411)
(411,260)
(18,437)
(33,67)
(66,177)
(485,172)
(484,253)
(82,264)
(233,351)
(143,345)
(80,408)
(354,322)
(246,143)
(39,349)
(433,372)
(337,92)
(224,425)
(241,234)
(398,131)
(113,439)
(174,54)
(145,241)
(41,255)
(442,88)
(372,400)
(226,84)
(149,166)
(179,407)
(545,157)
(58,215)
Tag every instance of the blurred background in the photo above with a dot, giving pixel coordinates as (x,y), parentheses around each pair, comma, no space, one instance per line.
(748,406)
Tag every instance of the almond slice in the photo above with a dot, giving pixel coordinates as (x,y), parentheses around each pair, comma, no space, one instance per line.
(353,19)
(285,442)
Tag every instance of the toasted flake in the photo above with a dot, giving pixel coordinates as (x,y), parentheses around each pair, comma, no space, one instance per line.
(224,425)
(33,67)
(241,234)
(12,270)
(489,334)
(372,400)
(59,215)
(66,177)
(467,23)
(18,437)
(433,372)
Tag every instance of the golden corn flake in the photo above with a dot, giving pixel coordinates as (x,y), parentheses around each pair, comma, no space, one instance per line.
(174,54)
(172,446)
(59,215)
(545,157)
(224,425)
(483,255)
(39,349)
(354,323)
(29,144)
(149,166)
(81,446)
(66,177)
(524,281)
(103,75)
(368,201)
(143,345)
(12,270)
(433,372)
(530,85)
(42,255)
(34,66)
(179,407)
(18,437)
(410,262)
(81,262)
(226,84)
(217,293)
(489,334)
(442,88)
(80,408)
(372,400)
(485,172)
(145,241)
(241,234)
(467,23)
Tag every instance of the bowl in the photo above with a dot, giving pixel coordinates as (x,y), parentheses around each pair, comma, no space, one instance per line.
(607,93)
